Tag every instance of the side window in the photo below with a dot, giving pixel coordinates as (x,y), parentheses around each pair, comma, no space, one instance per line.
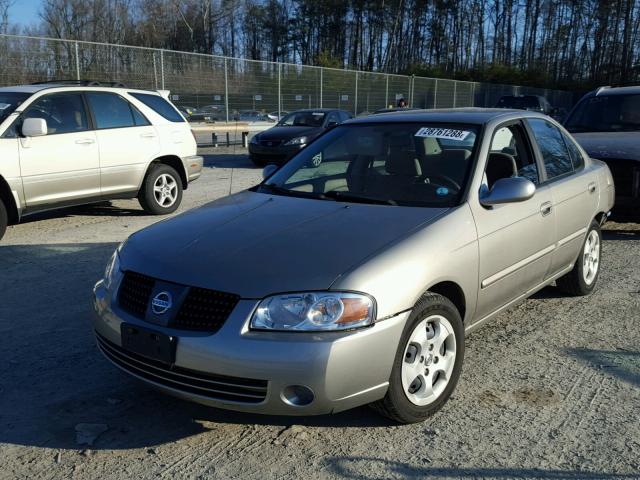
(63,112)
(576,157)
(159,105)
(110,110)
(344,116)
(510,156)
(333,119)
(555,155)
(138,117)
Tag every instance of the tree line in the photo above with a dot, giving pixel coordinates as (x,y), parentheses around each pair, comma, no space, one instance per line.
(552,43)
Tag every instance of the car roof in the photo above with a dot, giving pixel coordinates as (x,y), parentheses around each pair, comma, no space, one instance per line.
(478,116)
(51,86)
(320,110)
(606,91)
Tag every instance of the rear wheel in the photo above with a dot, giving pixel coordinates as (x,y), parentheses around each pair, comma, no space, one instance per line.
(428,362)
(582,279)
(161,191)
(4,219)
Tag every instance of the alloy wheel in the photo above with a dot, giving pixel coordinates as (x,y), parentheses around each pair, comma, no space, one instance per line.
(428,361)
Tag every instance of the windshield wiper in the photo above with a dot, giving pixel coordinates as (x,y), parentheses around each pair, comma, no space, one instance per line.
(354,197)
(278,190)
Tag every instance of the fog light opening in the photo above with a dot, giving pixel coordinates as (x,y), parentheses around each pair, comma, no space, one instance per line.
(297,395)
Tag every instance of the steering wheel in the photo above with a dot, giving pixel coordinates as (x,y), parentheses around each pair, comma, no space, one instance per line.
(447,180)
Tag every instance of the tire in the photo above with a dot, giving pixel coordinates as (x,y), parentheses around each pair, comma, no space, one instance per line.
(161,191)
(584,276)
(401,403)
(257,162)
(4,219)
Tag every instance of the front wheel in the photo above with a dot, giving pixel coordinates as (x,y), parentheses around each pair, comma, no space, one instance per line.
(161,191)
(428,362)
(582,279)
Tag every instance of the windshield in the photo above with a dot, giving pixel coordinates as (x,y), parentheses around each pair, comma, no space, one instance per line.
(303,119)
(9,101)
(521,103)
(610,113)
(395,164)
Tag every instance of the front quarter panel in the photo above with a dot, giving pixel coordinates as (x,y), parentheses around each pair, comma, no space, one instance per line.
(398,276)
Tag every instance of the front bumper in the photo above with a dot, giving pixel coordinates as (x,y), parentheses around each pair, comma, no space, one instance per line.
(279,154)
(193,167)
(342,369)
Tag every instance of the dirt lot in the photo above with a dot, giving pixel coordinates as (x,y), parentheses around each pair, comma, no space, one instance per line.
(549,390)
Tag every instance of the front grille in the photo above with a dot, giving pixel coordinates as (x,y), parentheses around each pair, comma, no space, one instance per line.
(205,309)
(134,293)
(626,175)
(216,387)
(201,310)
(270,143)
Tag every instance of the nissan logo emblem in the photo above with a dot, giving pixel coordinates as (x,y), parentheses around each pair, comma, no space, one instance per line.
(161,303)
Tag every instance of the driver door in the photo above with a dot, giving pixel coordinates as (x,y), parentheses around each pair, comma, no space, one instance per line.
(64,164)
(515,240)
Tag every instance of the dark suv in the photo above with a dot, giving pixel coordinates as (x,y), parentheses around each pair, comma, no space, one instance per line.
(606,123)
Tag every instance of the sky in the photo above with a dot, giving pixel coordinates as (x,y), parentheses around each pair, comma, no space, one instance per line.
(24,12)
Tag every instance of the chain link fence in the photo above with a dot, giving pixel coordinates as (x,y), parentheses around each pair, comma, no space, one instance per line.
(229,88)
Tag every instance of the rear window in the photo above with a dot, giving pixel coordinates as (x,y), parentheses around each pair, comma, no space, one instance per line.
(521,103)
(159,105)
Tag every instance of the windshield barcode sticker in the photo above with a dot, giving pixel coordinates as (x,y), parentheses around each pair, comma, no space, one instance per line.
(448,133)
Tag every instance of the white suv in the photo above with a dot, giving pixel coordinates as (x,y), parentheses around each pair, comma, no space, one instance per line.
(64,145)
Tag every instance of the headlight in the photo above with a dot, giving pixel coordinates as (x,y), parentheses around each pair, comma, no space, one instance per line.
(314,311)
(254,139)
(297,141)
(112,273)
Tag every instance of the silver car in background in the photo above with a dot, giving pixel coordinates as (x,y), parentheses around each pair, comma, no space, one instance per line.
(352,274)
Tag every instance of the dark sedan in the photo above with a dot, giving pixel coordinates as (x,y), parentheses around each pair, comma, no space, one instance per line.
(291,134)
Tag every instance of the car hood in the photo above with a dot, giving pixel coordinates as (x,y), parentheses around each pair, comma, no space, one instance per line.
(287,133)
(254,244)
(603,145)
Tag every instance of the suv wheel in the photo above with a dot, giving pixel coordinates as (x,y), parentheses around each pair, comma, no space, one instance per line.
(161,191)
(582,279)
(3,219)
(428,362)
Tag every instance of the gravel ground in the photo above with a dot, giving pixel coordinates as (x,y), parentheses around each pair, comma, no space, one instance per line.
(551,389)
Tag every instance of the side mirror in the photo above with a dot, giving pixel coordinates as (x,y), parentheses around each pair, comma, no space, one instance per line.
(268,171)
(509,190)
(34,127)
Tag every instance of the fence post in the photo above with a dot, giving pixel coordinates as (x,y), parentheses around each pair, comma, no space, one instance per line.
(162,68)
(279,91)
(226,90)
(155,72)
(77,63)
(455,93)
(355,101)
(321,75)
(435,95)
(413,85)
(473,94)
(386,95)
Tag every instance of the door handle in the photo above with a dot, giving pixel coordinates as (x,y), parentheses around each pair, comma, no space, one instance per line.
(148,135)
(85,141)
(591,187)
(545,208)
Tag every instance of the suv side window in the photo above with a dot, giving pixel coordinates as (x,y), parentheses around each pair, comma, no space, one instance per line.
(555,155)
(63,112)
(113,111)
(576,157)
(159,105)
